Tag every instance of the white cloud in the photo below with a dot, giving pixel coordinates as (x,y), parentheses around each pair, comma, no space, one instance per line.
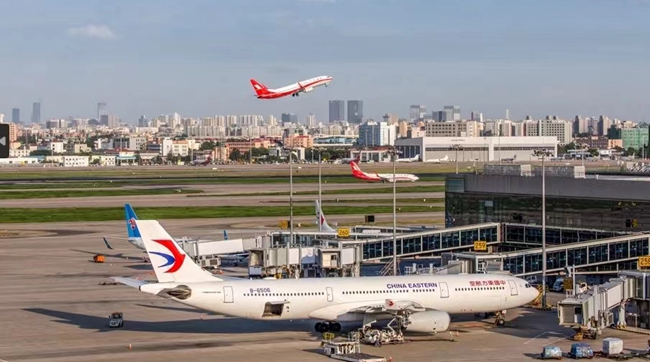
(101,32)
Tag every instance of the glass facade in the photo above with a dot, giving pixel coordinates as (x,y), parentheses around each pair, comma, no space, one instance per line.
(531,236)
(469,208)
(434,241)
(615,255)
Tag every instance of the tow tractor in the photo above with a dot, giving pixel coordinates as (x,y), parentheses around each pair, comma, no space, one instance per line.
(116,320)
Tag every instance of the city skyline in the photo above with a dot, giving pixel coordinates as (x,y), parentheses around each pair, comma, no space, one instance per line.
(558,58)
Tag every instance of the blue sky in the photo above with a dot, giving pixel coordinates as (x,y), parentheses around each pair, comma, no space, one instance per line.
(195,57)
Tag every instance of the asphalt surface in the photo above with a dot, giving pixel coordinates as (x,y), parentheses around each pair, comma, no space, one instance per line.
(54,309)
(207,200)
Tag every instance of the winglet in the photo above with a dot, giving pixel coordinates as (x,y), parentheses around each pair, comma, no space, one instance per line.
(107,244)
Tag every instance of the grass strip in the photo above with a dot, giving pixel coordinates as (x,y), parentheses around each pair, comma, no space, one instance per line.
(31,215)
(376,190)
(50,194)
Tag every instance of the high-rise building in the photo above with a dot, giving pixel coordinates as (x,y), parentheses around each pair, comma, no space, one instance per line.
(450,113)
(143,122)
(337,111)
(110,120)
(355,112)
(417,111)
(101,110)
(289,118)
(310,121)
(2,118)
(15,115)
(377,134)
(36,112)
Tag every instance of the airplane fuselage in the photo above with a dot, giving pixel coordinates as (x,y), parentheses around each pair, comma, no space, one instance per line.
(331,299)
(295,89)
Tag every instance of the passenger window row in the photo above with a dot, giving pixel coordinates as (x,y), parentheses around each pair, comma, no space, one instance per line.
(478,288)
(283,294)
(388,291)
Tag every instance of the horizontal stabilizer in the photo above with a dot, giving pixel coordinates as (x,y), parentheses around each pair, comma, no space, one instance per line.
(134,283)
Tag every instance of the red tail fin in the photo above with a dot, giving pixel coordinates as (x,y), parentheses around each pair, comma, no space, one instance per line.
(355,168)
(260,88)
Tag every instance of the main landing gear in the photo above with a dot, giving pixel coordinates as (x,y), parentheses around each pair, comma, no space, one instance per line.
(323,327)
(295,95)
(499,317)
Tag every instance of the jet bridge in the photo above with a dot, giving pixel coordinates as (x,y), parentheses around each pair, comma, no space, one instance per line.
(599,307)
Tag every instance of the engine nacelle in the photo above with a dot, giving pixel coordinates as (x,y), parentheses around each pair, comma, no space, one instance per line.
(428,322)
(308,89)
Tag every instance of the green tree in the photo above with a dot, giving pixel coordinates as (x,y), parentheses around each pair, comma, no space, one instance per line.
(207,146)
(235,155)
(41,153)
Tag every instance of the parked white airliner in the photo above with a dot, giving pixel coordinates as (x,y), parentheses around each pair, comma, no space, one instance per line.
(422,301)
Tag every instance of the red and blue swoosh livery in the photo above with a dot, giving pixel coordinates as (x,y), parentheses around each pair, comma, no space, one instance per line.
(176,259)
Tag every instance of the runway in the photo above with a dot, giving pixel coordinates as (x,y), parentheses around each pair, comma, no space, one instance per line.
(207,200)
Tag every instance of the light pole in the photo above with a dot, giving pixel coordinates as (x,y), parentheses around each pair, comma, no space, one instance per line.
(543,153)
(290,197)
(320,189)
(394,152)
(456,147)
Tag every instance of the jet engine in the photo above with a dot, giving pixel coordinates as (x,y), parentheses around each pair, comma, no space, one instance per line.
(308,89)
(428,322)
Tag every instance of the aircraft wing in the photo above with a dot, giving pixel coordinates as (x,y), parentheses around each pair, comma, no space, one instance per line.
(388,306)
(133,283)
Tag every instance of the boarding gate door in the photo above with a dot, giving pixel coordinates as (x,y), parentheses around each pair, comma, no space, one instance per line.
(513,287)
(330,294)
(444,290)
(227,295)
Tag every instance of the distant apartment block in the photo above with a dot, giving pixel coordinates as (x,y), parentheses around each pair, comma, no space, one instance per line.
(452,129)
(373,134)
(129,143)
(417,111)
(561,129)
(299,141)
(76,161)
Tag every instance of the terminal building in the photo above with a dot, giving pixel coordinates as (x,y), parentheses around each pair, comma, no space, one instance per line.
(479,149)
(612,203)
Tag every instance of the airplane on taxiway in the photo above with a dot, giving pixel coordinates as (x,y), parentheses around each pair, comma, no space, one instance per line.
(415,158)
(423,303)
(438,160)
(305,86)
(380,177)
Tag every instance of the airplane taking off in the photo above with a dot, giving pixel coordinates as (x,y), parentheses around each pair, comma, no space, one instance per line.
(438,160)
(305,86)
(380,177)
(412,159)
(418,303)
